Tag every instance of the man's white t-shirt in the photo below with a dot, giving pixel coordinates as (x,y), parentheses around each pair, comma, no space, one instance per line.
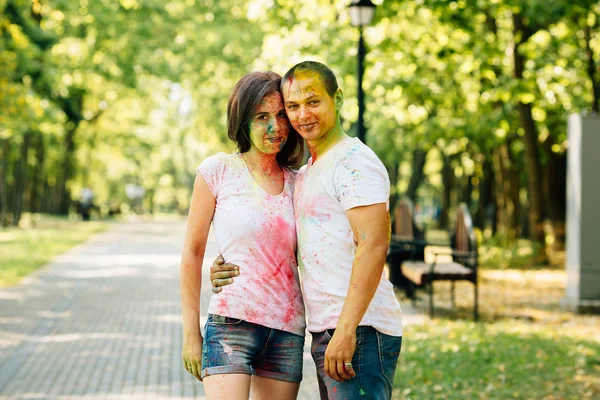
(255,230)
(348,175)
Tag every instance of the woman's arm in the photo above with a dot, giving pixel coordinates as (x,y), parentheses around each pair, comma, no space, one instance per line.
(202,209)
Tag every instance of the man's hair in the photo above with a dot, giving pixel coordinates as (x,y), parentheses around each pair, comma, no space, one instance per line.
(326,75)
(241,108)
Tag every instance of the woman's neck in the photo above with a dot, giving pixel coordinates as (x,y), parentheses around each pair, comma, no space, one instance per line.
(266,163)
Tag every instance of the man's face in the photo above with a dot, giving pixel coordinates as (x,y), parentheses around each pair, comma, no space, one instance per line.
(310,109)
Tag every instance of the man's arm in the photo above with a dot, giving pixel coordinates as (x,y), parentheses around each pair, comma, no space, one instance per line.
(222,274)
(371,228)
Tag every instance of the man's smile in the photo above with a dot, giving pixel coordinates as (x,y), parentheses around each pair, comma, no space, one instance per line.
(307,126)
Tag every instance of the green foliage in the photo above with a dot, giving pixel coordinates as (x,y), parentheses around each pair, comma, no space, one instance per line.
(144,84)
(499,252)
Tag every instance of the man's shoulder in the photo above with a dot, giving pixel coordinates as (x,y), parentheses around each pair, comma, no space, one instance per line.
(301,170)
(353,152)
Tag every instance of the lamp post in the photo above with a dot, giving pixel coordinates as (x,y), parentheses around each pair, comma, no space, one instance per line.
(361,15)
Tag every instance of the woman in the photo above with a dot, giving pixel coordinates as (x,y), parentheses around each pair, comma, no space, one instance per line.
(254,335)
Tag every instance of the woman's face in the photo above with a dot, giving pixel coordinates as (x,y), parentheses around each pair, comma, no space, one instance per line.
(269,127)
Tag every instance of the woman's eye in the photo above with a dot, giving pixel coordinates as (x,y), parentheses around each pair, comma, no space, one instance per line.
(314,102)
(282,115)
(262,117)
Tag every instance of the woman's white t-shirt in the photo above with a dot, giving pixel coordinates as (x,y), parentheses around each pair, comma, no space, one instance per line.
(256,231)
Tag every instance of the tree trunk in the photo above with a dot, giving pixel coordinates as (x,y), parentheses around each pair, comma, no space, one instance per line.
(418,162)
(591,68)
(20,180)
(487,204)
(501,198)
(467,191)
(448,179)
(512,173)
(534,182)
(556,188)
(507,192)
(393,174)
(3,185)
(68,172)
(34,203)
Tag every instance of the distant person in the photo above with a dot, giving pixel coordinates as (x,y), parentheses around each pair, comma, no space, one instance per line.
(254,335)
(85,206)
(341,210)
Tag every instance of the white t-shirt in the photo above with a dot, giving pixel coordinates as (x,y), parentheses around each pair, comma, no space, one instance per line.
(256,231)
(348,175)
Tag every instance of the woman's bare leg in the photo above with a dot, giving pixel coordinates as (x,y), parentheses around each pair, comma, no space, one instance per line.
(268,389)
(227,387)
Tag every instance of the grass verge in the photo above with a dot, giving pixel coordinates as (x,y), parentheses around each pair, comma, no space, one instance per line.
(27,248)
(526,347)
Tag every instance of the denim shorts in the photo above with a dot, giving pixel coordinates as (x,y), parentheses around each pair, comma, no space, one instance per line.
(374,362)
(234,346)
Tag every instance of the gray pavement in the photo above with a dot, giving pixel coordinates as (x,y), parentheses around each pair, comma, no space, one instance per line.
(103,322)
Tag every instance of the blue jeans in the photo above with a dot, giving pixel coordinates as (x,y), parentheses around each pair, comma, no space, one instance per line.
(374,362)
(234,346)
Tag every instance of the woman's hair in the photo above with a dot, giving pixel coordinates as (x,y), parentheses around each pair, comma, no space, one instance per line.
(241,108)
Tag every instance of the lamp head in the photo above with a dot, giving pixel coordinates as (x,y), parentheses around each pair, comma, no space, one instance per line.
(361,12)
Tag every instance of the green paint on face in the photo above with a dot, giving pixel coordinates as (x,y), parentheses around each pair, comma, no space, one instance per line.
(269,127)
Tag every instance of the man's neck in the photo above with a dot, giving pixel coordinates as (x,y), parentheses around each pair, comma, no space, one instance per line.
(320,146)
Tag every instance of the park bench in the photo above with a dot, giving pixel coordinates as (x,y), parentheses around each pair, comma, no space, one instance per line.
(460,263)
(405,232)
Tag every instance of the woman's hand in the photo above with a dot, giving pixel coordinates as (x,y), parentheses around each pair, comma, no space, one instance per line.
(222,274)
(192,353)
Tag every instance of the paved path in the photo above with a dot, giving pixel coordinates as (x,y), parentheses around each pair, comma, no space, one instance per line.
(103,322)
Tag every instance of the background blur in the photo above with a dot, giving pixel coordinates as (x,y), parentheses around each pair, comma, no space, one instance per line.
(466,100)
(108,106)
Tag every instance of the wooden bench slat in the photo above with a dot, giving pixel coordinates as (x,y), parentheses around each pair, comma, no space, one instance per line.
(420,272)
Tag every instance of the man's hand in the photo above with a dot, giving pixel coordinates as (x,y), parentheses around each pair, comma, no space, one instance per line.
(222,274)
(192,354)
(338,356)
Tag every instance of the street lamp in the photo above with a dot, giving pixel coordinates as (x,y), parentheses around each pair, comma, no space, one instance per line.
(361,15)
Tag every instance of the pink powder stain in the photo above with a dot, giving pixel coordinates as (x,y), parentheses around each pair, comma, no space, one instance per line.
(253,314)
(223,303)
(314,212)
(290,81)
(275,244)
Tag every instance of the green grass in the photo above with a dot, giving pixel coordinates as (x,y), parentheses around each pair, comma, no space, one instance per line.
(26,249)
(526,347)
(506,360)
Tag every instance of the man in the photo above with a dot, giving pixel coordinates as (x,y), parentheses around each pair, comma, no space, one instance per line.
(342,222)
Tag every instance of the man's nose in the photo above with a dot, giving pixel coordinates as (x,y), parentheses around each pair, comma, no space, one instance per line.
(302,112)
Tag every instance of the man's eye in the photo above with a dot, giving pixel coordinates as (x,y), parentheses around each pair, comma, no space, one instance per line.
(292,107)
(313,102)
(282,115)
